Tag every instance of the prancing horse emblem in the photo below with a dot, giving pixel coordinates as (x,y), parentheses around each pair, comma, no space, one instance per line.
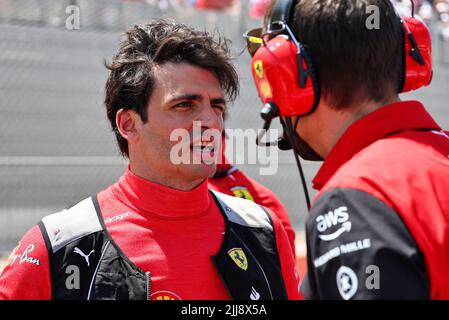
(238,256)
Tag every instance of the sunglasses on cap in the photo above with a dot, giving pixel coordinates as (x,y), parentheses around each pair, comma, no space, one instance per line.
(255,38)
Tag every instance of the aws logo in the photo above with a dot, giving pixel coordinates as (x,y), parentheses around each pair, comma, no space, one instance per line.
(164,295)
(238,256)
(333,218)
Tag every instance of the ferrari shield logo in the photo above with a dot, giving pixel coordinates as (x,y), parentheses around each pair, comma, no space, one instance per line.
(238,256)
(242,192)
(258,68)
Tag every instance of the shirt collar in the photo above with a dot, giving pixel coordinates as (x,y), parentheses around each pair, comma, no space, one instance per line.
(150,197)
(393,118)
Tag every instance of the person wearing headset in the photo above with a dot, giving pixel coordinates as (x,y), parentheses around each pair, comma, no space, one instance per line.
(379,226)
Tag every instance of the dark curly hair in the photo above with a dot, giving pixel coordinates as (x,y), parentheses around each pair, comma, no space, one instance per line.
(131,79)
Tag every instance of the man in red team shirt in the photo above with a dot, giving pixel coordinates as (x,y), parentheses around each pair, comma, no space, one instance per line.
(379,225)
(159,233)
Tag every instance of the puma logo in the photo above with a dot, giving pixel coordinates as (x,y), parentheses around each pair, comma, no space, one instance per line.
(86,256)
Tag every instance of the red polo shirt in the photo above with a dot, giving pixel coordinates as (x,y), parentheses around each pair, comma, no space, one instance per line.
(383,203)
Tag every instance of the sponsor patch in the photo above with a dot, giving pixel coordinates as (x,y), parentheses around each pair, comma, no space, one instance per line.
(334,218)
(258,68)
(347,282)
(238,256)
(164,295)
(82,254)
(342,249)
(243,193)
(118,217)
(254,294)
(25,258)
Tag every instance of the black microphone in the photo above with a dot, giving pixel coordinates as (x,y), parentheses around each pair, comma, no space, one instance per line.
(284,144)
(268,113)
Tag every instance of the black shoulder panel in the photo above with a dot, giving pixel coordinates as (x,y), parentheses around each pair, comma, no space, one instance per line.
(359,248)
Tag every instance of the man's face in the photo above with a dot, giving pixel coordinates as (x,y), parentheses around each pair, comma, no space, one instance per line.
(309,129)
(306,127)
(183,95)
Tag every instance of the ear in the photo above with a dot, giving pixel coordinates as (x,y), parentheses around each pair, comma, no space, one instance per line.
(127,122)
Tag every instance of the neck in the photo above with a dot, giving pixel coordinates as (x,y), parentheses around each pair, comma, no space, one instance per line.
(150,197)
(174,180)
(333,123)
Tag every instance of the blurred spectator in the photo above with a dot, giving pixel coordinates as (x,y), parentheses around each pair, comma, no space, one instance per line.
(427,10)
(213,4)
(257,8)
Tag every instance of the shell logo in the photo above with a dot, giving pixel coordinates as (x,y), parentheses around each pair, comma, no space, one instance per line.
(164,295)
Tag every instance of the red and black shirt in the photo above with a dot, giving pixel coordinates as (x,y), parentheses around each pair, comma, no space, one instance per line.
(170,233)
(379,226)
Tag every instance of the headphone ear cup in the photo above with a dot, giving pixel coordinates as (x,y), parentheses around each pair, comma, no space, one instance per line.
(417,55)
(275,72)
(311,72)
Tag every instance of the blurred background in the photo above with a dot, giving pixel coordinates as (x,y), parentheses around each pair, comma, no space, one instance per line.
(56,145)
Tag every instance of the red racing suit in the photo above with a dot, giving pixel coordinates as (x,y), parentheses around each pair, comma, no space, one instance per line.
(230,180)
(379,226)
(171,233)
